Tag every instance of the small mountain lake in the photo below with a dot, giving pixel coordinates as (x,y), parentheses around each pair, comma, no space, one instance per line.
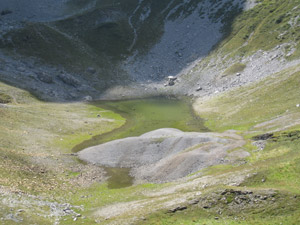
(143,115)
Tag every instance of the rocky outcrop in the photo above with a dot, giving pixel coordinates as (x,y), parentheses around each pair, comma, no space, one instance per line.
(68,79)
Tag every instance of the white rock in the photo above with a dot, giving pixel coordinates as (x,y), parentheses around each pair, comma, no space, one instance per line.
(88,98)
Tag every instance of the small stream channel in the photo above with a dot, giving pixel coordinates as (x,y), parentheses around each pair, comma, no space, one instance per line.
(143,115)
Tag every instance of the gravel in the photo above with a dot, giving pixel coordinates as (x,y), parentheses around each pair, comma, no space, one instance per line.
(165,154)
(21,205)
(184,40)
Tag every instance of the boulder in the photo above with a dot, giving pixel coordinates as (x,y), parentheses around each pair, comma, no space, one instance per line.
(69,80)
(87,98)
(46,78)
(171,80)
(91,70)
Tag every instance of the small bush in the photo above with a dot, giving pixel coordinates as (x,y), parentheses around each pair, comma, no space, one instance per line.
(279,20)
(4,99)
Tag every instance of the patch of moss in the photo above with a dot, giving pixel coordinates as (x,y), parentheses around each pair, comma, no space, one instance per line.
(229,199)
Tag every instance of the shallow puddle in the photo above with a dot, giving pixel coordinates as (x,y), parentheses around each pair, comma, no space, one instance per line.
(118,178)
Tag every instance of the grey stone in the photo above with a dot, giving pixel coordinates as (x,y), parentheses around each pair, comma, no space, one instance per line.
(46,78)
(91,70)
(178,208)
(69,80)
(87,98)
(193,202)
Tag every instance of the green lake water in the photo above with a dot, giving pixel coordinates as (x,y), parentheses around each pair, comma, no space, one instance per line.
(143,115)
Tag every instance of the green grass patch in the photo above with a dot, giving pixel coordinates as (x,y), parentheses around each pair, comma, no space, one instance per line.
(4,98)
(278,165)
(235,68)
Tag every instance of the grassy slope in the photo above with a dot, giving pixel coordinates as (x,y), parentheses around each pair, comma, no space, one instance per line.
(46,129)
(33,137)
(265,26)
(243,108)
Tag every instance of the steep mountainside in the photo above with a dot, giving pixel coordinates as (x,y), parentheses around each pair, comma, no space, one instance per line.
(96,45)
(102,47)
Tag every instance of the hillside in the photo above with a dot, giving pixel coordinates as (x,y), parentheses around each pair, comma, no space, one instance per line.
(85,139)
(100,45)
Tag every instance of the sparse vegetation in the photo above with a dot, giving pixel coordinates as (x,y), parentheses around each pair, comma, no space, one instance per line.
(235,68)
(214,209)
